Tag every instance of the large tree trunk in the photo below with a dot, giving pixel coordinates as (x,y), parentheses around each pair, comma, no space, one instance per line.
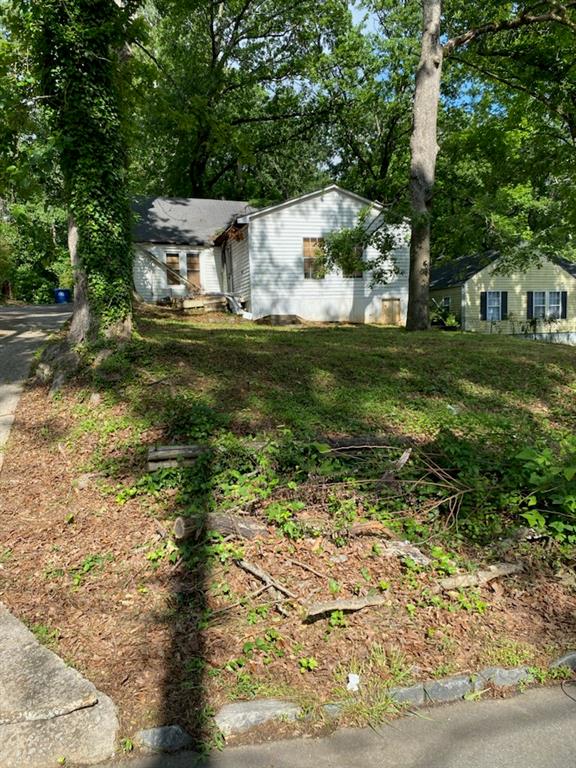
(424,148)
(80,326)
(84,85)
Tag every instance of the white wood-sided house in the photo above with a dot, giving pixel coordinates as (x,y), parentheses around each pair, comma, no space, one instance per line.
(266,257)
(539,302)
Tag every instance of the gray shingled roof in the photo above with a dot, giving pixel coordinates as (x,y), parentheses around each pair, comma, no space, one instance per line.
(183,220)
(569,266)
(457,271)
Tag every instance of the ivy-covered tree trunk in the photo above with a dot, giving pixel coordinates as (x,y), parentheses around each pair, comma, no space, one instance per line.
(77,49)
(424,148)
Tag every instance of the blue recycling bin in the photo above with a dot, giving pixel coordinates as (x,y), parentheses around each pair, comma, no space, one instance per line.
(62,295)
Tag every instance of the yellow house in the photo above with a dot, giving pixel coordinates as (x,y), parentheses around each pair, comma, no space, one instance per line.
(540,302)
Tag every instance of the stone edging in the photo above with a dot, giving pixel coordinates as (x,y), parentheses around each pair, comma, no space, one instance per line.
(241,716)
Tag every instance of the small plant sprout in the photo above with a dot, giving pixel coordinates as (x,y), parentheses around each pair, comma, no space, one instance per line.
(442,561)
(337,619)
(334,587)
(365,574)
(127,745)
(307,664)
(257,614)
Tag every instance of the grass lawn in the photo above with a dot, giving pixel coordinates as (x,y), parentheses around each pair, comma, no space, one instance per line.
(363,379)
(171,631)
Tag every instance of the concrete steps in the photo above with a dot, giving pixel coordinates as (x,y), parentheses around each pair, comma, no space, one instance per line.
(48,711)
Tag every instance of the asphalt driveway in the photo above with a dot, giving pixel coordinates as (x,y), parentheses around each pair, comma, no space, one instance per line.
(22,331)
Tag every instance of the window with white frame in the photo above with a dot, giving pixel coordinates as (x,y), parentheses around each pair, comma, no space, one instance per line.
(539,304)
(547,304)
(494,306)
(554,304)
(446,303)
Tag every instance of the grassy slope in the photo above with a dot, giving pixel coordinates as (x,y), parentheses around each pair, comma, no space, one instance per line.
(127,622)
(366,379)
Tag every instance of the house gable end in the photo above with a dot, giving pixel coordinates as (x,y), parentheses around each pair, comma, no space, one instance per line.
(332,189)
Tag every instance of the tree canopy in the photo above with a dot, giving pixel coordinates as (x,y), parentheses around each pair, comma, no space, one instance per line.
(266,99)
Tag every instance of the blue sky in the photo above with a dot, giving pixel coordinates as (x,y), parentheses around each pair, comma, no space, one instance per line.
(358,14)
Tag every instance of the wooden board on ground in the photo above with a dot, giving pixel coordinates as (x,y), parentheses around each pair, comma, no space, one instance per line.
(171,456)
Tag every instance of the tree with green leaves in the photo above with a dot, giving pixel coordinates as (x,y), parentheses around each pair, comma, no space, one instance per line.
(235,96)
(505,174)
(33,253)
(469,26)
(369,137)
(77,53)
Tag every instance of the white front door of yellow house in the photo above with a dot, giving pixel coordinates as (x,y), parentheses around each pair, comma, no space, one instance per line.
(390,314)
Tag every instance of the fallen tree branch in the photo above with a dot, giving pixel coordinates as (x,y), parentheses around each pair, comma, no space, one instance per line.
(309,568)
(264,576)
(174,456)
(275,588)
(363,442)
(406,549)
(227,525)
(370,528)
(344,604)
(480,577)
(241,602)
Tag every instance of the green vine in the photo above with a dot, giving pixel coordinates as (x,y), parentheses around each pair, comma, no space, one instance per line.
(347,249)
(77,50)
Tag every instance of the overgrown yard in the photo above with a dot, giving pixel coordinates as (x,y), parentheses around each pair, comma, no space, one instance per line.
(307,429)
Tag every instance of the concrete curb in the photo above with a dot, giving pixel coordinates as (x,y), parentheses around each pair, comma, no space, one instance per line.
(237,718)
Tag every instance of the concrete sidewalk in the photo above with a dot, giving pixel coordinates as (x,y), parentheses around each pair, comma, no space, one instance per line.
(22,331)
(534,730)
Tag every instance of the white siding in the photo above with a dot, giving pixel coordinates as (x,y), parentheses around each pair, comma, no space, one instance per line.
(277,265)
(240,267)
(211,270)
(150,280)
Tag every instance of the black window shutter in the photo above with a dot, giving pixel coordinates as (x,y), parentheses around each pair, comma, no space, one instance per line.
(564,299)
(483,305)
(530,305)
(503,305)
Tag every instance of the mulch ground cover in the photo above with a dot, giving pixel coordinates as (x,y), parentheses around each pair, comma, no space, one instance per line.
(96,576)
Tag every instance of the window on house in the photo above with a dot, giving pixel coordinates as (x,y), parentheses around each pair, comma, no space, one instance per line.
(554,304)
(193,270)
(313,257)
(539,304)
(493,306)
(446,303)
(546,305)
(173,271)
